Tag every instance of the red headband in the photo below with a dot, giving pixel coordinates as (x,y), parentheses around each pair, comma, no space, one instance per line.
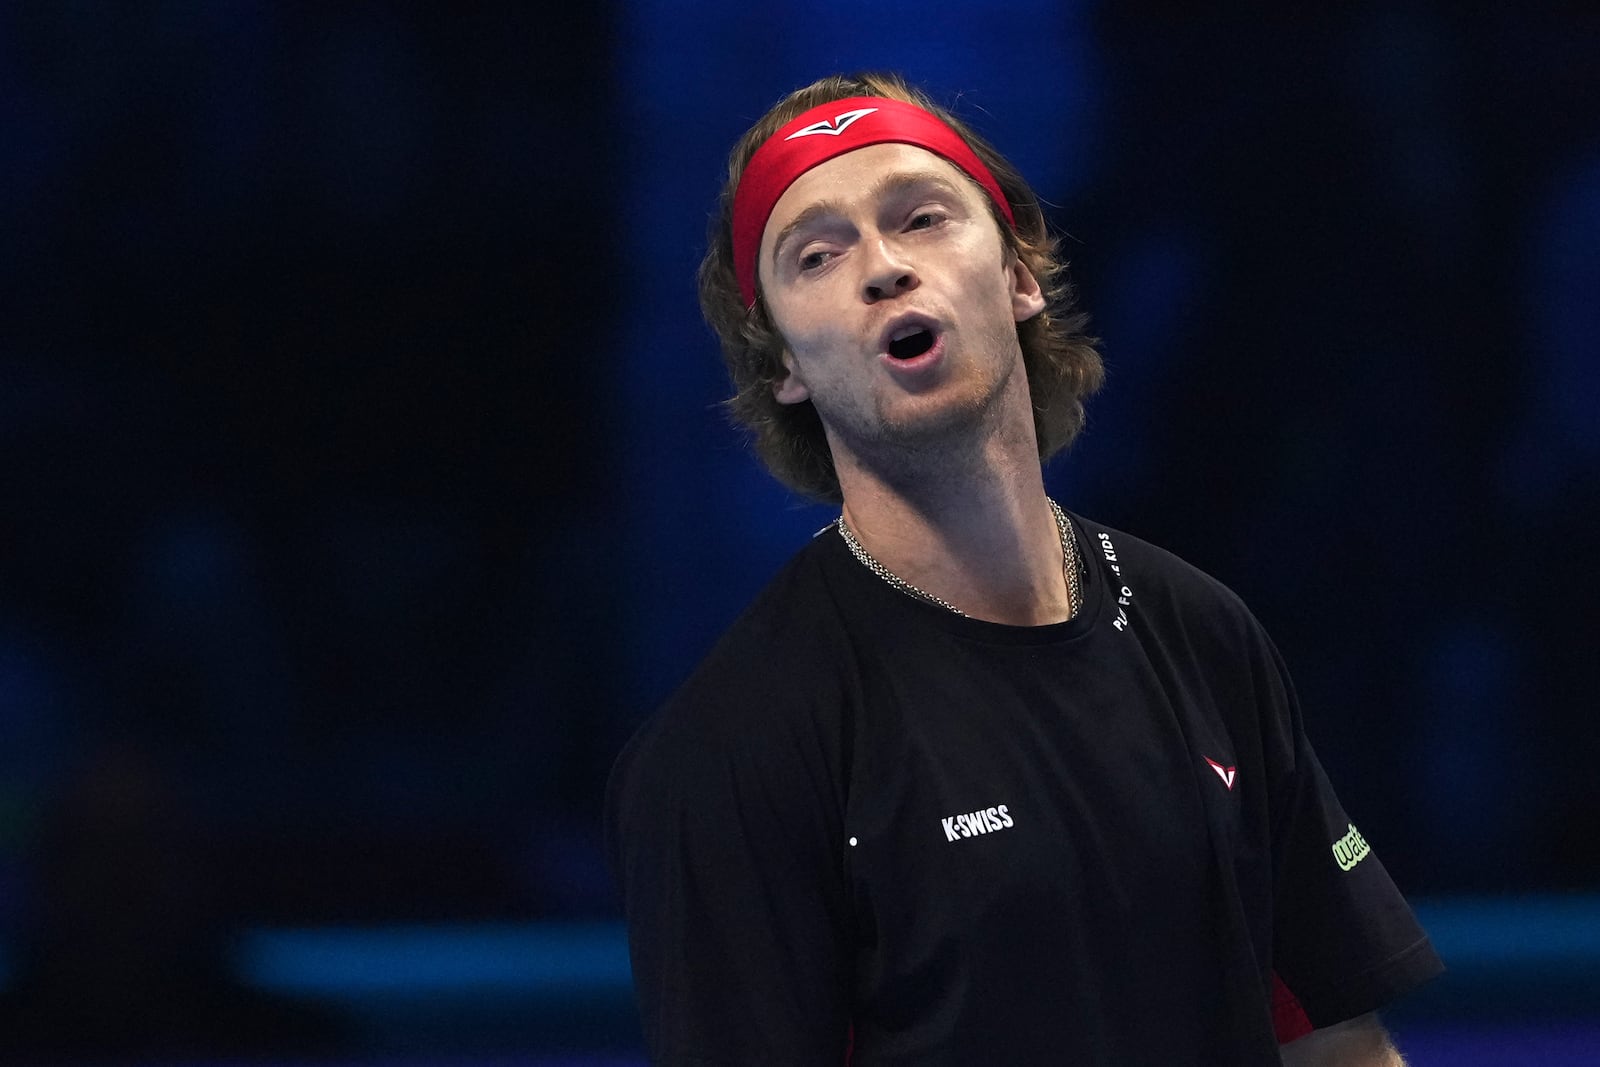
(829,130)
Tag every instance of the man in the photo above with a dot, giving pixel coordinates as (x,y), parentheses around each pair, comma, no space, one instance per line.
(972,780)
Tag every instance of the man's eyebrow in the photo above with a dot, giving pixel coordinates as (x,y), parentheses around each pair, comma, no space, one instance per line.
(900,181)
(810,214)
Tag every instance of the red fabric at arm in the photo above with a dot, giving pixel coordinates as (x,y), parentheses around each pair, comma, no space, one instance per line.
(1289,1019)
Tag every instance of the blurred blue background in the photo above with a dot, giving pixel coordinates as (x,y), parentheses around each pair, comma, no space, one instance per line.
(364,482)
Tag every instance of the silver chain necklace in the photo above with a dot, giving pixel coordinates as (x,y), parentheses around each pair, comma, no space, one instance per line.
(1070,565)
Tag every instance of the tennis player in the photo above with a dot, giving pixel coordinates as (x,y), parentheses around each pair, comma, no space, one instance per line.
(974,779)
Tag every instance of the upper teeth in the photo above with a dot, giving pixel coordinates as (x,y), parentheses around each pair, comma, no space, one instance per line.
(903,332)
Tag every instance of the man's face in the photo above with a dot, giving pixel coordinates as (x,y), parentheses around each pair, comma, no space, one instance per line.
(889,281)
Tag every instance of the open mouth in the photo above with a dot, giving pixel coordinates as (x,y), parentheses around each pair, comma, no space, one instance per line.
(912,344)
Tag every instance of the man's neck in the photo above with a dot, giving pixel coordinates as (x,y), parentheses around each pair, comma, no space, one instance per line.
(981,536)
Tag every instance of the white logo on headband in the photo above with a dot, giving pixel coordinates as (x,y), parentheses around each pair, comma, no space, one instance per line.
(839,124)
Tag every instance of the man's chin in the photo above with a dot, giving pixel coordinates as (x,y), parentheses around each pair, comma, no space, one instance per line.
(923,439)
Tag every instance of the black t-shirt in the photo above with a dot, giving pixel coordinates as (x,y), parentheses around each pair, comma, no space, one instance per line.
(868,827)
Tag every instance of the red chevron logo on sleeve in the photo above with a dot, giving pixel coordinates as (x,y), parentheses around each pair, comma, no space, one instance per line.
(1225,773)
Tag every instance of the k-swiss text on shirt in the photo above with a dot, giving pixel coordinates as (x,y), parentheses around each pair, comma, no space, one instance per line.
(976,823)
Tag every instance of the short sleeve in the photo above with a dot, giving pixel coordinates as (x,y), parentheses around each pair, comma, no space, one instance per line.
(1345,942)
(726,845)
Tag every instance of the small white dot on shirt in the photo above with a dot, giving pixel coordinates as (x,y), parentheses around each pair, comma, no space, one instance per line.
(852,842)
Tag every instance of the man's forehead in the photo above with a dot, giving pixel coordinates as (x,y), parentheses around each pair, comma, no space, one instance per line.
(802,145)
(866,174)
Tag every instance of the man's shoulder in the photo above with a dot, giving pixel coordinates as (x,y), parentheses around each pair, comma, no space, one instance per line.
(801,595)
(795,617)
(1177,598)
(766,702)
(780,656)
(1131,559)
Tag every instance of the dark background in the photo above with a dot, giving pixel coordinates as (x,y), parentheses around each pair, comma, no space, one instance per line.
(363,483)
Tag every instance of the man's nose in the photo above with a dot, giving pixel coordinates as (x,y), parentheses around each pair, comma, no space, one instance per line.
(887,272)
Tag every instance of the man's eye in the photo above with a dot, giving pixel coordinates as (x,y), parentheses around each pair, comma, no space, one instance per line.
(923,221)
(813,260)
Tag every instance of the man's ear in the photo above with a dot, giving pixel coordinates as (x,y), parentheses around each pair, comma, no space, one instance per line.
(790,389)
(1027,298)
